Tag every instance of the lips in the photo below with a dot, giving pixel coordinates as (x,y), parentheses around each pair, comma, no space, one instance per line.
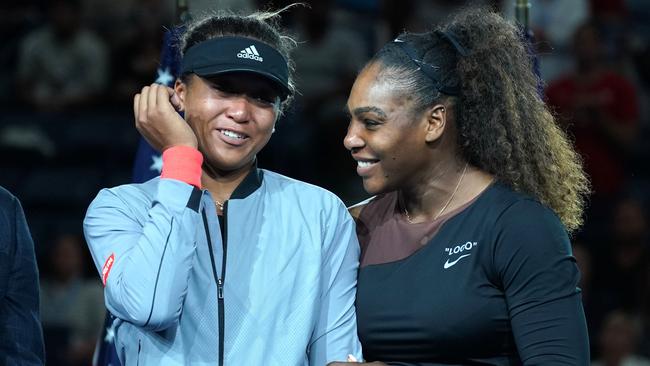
(365,166)
(231,137)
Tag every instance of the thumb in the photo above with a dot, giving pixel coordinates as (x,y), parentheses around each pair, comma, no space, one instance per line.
(174,99)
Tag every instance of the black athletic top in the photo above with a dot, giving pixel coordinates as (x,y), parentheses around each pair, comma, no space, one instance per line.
(494,285)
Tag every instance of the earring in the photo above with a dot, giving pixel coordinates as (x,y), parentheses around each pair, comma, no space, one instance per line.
(273,130)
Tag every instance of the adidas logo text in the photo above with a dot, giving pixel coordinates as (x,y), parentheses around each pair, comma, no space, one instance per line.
(250,53)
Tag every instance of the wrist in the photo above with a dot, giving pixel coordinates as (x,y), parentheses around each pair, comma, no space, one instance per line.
(187,143)
(182,162)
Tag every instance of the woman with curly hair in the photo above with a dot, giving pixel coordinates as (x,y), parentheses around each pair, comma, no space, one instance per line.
(466,257)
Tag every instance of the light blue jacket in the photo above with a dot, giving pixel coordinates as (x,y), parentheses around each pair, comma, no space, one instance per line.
(284,296)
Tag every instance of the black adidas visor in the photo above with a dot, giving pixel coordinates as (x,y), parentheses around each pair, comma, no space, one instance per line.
(238,54)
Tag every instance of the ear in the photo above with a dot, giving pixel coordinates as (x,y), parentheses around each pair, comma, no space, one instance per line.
(436,117)
(180,91)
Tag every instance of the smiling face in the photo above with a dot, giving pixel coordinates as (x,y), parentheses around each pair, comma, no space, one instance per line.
(389,141)
(232,115)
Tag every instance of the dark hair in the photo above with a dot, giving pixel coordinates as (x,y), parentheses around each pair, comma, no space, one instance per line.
(262,26)
(504,126)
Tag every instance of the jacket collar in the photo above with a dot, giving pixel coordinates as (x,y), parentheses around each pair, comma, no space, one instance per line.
(250,184)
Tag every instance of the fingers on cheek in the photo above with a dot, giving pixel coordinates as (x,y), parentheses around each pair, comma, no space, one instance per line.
(136,103)
(144,98)
(143,114)
(136,109)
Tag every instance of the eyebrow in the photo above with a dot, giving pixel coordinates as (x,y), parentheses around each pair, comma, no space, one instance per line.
(361,110)
(227,85)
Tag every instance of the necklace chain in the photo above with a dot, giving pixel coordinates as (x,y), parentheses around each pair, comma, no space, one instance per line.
(408,217)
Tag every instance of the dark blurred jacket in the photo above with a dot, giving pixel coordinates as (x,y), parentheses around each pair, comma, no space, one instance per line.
(21,336)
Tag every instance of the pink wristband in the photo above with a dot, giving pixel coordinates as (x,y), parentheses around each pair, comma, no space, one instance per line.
(182,163)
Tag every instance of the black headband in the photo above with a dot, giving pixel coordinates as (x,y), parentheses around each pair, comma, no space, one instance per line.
(237,54)
(452,38)
(431,71)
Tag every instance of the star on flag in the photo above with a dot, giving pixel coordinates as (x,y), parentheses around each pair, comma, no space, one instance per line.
(156,163)
(110,333)
(164,77)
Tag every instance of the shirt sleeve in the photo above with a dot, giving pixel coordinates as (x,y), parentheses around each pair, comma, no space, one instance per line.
(335,333)
(539,276)
(21,337)
(144,260)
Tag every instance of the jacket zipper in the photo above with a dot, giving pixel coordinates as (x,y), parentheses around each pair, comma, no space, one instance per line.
(139,349)
(222,317)
(219,280)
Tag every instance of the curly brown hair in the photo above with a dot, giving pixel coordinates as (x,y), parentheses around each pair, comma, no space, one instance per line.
(504,126)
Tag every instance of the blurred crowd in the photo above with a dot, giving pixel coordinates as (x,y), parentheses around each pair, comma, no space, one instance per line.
(69,70)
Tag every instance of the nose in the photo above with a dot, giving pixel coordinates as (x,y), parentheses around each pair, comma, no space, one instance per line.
(352,141)
(239,109)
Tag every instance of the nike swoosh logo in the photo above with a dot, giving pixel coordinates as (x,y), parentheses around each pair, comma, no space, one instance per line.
(449,264)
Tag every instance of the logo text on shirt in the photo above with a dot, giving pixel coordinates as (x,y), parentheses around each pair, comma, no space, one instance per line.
(457,250)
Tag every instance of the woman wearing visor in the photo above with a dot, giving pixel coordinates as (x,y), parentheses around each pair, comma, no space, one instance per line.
(465,257)
(219,262)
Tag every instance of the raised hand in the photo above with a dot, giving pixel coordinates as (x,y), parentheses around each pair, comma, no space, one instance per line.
(157,119)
